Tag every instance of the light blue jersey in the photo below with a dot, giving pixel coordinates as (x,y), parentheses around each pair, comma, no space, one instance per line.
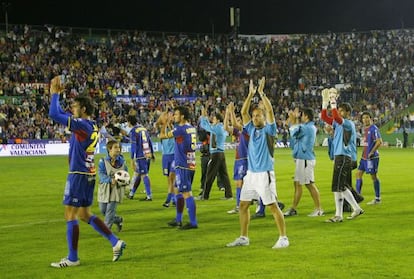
(344,142)
(167,145)
(303,140)
(261,144)
(217,134)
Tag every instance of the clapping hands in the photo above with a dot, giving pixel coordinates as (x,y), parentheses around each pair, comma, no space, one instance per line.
(329,96)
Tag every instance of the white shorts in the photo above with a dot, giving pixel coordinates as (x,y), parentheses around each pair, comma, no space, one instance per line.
(304,171)
(259,184)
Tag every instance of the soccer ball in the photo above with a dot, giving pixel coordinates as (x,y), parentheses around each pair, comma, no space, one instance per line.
(122,178)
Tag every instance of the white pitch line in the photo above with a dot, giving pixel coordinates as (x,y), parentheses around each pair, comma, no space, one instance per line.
(31,224)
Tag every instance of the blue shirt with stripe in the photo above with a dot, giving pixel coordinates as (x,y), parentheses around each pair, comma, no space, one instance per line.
(371,135)
(83,141)
(141,143)
(185,146)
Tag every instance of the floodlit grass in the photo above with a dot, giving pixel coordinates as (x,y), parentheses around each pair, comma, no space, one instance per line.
(379,244)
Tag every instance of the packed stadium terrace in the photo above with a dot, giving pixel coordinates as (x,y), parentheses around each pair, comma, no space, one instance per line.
(134,72)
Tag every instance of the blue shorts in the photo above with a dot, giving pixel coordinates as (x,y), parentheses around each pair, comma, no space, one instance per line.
(142,166)
(240,169)
(168,164)
(79,190)
(369,166)
(184,179)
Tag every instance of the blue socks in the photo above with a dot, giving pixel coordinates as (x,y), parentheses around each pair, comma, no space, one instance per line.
(147,184)
(135,184)
(102,229)
(358,185)
(377,189)
(262,207)
(238,191)
(191,208)
(179,207)
(72,236)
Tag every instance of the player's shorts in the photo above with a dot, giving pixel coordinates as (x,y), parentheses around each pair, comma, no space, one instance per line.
(79,190)
(168,164)
(240,169)
(369,166)
(142,166)
(259,184)
(184,179)
(304,171)
(342,176)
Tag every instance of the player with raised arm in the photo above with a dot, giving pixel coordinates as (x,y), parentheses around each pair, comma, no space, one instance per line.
(185,136)
(165,121)
(303,136)
(370,157)
(344,144)
(216,166)
(80,183)
(260,177)
(240,161)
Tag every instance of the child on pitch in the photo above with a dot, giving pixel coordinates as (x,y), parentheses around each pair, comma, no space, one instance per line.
(111,191)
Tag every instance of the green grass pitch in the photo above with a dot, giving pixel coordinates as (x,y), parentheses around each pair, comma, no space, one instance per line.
(378,244)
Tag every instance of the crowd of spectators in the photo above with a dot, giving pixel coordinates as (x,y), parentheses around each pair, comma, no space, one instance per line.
(373,70)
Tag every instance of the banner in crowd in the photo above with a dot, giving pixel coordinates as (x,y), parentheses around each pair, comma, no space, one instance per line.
(146,99)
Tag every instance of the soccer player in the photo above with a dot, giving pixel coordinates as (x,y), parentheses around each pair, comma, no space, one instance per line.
(80,183)
(344,144)
(260,177)
(217,164)
(110,192)
(370,157)
(359,198)
(141,154)
(204,138)
(185,136)
(303,135)
(240,163)
(168,167)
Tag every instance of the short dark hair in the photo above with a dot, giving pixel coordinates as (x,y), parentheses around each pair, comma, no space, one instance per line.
(219,116)
(111,143)
(366,113)
(308,112)
(183,111)
(85,101)
(132,119)
(346,106)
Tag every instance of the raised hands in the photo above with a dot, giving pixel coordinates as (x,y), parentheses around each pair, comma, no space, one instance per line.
(252,89)
(293,116)
(325,98)
(333,95)
(55,85)
(262,82)
(329,96)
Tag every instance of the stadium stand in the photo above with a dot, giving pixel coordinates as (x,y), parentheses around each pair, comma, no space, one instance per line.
(132,72)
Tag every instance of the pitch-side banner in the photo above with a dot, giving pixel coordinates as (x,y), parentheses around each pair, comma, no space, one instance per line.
(44,149)
(33,149)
